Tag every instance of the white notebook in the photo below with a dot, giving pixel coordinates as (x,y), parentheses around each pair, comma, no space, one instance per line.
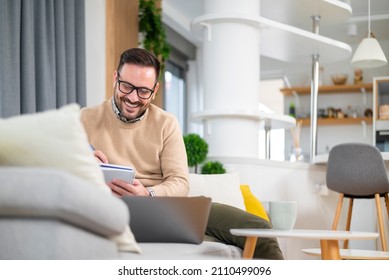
(114,171)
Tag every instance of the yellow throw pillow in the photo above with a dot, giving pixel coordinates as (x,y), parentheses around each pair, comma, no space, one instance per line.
(252,204)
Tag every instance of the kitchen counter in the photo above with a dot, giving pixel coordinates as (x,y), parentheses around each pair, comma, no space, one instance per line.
(322,159)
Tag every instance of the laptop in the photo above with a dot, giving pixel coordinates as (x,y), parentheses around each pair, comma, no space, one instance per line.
(168,219)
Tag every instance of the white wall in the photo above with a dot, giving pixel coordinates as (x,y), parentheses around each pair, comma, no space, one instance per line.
(95,51)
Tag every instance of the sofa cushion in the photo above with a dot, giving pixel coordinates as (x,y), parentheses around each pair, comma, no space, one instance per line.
(24,193)
(48,239)
(207,249)
(222,188)
(56,139)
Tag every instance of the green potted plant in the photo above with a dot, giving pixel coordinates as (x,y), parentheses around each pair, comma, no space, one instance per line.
(213,167)
(196,149)
(153,37)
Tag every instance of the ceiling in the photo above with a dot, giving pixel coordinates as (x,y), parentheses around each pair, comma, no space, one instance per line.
(178,14)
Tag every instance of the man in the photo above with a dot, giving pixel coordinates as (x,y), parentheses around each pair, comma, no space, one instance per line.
(129,130)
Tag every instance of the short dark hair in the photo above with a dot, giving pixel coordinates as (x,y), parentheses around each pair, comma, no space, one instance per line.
(139,57)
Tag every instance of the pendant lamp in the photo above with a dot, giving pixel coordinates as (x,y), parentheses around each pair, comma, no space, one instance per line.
(369,53)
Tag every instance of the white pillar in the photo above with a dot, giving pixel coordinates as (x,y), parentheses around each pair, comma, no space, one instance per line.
(231,74)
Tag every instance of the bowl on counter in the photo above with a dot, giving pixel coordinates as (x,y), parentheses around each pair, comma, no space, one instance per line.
(339,79)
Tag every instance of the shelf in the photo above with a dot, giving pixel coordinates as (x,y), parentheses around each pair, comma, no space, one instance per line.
(332,89)
(332,12)
(266,120)
(220,113)
(302,44)
(333,121)
(276,121)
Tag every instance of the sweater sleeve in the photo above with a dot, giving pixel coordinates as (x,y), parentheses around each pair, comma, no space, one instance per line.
(174,165)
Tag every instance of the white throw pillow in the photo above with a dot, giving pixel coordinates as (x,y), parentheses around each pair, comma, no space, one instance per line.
(222,188)
(56,139)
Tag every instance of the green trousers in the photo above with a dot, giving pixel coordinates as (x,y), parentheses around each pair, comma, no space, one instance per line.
(223,217)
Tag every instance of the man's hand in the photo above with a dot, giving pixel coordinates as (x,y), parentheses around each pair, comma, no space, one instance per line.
(120,188)
(100,156)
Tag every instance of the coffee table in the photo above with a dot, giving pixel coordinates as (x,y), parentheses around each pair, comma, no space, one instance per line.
(329,245)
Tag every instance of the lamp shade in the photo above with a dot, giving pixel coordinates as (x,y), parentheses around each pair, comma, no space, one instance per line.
(369,54)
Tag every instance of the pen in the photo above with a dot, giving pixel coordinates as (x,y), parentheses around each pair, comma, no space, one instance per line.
(99,155)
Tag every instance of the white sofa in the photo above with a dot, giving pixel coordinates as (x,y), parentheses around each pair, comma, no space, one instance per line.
(50,214)
(54,203)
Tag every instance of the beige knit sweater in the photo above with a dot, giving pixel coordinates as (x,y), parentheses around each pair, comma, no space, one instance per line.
(154,146)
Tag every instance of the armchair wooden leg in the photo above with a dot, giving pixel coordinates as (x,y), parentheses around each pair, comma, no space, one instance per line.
(387,203)
(380,221)
(348,222)
(338,210)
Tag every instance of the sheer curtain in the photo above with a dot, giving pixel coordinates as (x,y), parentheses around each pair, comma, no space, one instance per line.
(42,55)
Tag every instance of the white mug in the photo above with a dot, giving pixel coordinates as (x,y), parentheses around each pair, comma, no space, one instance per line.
(283,214)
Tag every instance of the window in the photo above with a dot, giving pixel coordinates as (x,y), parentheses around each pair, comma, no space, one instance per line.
(175,93)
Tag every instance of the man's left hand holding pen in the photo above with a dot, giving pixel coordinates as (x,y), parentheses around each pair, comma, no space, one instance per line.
(99,155)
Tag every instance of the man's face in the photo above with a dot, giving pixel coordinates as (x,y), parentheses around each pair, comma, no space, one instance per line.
(130,104)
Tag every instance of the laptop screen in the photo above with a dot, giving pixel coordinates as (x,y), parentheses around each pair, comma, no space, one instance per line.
(168,219)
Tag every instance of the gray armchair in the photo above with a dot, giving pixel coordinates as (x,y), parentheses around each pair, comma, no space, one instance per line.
(357,171)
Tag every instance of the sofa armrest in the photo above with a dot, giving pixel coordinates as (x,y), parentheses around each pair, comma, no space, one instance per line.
(53,193)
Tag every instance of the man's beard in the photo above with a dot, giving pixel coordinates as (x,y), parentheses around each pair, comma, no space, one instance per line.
(119,112)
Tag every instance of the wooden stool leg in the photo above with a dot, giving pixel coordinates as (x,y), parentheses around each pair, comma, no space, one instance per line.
(337,213)
(348,222)
(380,222)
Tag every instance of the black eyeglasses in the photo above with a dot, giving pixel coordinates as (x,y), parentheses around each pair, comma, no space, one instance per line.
(142,92)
